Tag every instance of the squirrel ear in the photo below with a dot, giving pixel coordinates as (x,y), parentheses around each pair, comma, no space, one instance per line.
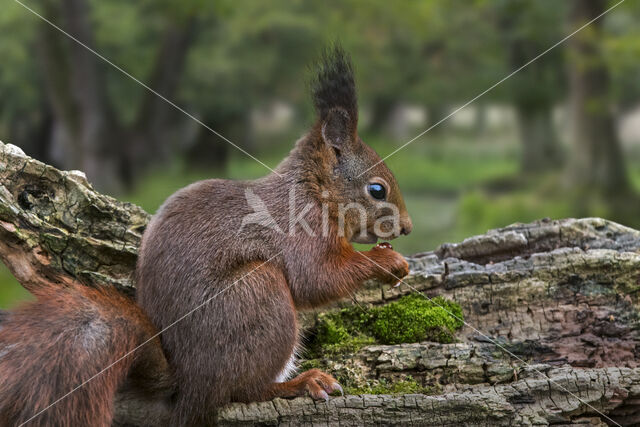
(337,128)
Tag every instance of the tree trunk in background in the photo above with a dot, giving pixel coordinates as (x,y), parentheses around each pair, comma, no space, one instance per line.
(86,134)
(596,157)
(435,113)
(535,89)
(381,108)
(540,146)
(155,130)
(480,119)
(34,131)
(209,150)
(84,130)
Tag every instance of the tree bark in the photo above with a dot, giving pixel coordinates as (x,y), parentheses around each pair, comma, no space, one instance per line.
(595,162)
(532,400)
(55,227)
(560,298)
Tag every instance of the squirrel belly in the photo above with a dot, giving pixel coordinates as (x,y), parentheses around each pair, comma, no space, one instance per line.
(289,368)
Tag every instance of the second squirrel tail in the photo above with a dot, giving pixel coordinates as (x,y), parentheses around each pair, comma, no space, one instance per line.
(64,356)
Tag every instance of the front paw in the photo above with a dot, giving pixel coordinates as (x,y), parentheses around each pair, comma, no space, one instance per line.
(400,268)
(320,385)
(392,264)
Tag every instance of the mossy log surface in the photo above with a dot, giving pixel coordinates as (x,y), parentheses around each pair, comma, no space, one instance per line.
(560,298)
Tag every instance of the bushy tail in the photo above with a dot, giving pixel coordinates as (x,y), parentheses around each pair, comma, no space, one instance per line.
(50,348)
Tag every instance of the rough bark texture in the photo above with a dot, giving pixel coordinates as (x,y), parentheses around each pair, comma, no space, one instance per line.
(54,225)
(537,400)
(560,298)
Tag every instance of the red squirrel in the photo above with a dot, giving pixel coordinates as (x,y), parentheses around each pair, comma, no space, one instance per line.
(239,282)
(238,346)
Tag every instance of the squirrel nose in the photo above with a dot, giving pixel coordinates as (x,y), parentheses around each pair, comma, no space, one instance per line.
(406,226)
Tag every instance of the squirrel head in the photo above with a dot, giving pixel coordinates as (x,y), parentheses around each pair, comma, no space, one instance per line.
(360,188)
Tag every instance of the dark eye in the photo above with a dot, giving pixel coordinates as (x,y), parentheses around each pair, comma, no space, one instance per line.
(377,191)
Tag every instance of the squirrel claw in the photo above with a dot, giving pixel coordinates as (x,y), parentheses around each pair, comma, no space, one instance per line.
(323,395)
(338,387)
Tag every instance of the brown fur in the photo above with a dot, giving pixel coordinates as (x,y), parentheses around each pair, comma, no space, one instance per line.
(50,346)
(194,249)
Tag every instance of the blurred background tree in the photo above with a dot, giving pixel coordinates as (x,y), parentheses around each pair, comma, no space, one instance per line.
(559,138)
(528,29)
(596,157)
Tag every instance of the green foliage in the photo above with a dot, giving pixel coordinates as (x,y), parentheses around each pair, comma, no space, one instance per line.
(479,212)
(635,177)
(413,318)
(449,163)
(11,293)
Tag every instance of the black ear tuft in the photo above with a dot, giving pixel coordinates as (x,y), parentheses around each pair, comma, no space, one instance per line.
(336,128)
(334,86)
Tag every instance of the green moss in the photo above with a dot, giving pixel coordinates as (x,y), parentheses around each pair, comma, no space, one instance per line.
(407,385)
(415,318)
(308,364)
(342,332)
(356,381)
(332,330)
(412,318)
(349,345)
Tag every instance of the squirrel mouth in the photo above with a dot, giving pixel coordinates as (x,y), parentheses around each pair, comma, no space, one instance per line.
(367,238)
